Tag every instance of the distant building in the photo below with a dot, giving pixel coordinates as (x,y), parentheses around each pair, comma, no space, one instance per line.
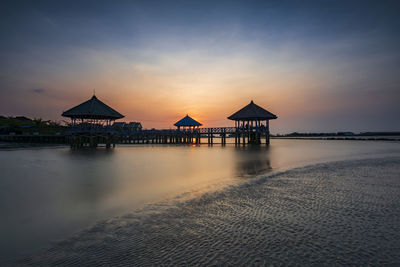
(127,126)
(23,118)
(134,126)
(345,133)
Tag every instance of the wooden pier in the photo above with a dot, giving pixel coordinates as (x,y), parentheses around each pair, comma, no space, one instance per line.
(109,138)
(210,136)
(92,125)
(91,140)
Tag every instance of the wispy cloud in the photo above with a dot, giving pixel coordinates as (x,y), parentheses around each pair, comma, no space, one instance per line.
(38,90)
(156,61)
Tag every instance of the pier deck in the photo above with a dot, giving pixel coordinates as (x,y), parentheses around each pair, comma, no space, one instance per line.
(198,136)
(95,137)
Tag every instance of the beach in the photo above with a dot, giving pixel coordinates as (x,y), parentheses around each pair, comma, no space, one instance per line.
(339,213)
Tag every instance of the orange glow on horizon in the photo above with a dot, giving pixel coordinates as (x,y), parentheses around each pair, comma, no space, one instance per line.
(161,94)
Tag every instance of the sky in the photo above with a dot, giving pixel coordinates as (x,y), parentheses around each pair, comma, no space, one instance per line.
(320,66)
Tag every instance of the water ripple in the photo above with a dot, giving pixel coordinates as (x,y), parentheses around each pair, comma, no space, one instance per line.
(343,213)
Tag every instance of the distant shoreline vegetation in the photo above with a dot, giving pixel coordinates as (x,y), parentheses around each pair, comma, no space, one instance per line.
(339,134)
(25,125)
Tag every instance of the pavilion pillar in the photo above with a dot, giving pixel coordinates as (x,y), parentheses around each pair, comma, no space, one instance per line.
(108,140)
(267,139)
(239,132)
(236,132)
(244,133)
(248,132)
(223,140)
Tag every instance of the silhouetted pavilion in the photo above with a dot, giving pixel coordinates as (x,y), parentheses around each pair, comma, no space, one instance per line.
(187,123)
(252,120)
(91,123)
(94,112)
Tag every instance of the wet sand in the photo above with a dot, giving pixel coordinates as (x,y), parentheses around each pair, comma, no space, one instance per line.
(340,213)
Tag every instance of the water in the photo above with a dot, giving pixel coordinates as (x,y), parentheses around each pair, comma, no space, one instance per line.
(52,193)
(336,214)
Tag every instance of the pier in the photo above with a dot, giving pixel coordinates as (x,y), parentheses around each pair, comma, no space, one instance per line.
(109,138)
(92,125)
(210,136)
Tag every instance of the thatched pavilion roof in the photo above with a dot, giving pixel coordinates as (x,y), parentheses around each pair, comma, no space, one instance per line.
(252,112)
(188,121)
(92,109)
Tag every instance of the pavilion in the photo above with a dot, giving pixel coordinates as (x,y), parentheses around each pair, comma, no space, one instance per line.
(90,123)
(187,124)
(252,121)
(94,112)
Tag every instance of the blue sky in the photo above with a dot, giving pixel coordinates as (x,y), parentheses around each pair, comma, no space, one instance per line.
(318,65)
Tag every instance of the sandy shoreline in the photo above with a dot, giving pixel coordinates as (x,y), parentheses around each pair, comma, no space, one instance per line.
(334,213)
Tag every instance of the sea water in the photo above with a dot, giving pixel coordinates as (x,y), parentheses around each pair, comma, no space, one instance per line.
(50,194)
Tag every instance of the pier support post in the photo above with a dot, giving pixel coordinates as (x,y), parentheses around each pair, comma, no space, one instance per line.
(108,141)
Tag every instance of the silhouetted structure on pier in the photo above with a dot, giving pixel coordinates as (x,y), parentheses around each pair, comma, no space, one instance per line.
(187,123)
(91,123)
(127,127)
(251,123)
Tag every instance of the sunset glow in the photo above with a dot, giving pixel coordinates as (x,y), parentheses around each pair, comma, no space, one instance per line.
(155,62)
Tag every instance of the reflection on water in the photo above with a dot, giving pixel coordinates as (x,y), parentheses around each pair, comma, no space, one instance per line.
(49,194)
(344,212)
(95,183)
(252,160)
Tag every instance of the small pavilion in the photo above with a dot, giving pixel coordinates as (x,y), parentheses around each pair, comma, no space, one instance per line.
(187,124)
(92,112)
(252,121)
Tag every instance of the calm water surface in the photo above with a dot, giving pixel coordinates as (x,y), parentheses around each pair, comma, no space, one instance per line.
(49,194)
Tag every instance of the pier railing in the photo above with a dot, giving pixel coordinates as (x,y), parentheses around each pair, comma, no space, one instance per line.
(195,136)
(209,130)
(92,135)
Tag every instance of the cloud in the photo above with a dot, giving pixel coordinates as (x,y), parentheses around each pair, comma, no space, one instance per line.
(38,90)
